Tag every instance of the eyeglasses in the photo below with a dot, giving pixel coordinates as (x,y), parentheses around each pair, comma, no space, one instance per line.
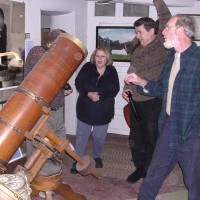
(167,28)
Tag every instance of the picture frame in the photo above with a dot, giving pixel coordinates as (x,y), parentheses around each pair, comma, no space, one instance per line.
(196,18)
(118,39)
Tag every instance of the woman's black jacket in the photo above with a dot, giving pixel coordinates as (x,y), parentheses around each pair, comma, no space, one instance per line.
(89,80)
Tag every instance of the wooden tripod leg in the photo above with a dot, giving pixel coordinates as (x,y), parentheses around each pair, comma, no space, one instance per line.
(34,192)
(68,194)
(49,195)
(54,183)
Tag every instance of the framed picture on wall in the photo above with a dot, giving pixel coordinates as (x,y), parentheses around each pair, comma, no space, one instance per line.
(118,39)
(197,25)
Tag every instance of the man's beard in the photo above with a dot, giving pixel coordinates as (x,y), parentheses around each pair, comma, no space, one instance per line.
(168,45)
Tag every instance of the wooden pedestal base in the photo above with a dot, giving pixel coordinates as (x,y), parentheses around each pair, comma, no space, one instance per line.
(54,183)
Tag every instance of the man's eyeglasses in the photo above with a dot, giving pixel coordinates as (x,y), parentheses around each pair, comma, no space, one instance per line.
(167,28)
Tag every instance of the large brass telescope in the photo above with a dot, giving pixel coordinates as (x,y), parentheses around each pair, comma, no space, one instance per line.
(24,116)
(24,107)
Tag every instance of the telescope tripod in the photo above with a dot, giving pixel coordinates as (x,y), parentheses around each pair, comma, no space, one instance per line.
(48,145)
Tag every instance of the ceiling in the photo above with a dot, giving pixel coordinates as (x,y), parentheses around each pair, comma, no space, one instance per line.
(149,2)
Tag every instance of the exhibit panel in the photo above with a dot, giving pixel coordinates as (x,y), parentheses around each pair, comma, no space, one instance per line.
(12,39)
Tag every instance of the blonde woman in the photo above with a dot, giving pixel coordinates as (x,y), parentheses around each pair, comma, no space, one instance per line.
(97,84)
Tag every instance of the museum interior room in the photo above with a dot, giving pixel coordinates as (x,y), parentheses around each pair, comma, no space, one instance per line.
(24,102)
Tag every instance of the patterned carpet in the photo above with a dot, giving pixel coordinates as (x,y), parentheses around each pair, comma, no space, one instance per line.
(117,159)
(116,156)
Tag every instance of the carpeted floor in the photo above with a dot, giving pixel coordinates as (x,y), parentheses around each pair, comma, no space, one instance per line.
(116,156)
(117,159)
(117,166)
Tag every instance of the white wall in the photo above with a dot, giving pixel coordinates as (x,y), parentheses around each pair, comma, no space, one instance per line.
(33,12)
(168,2)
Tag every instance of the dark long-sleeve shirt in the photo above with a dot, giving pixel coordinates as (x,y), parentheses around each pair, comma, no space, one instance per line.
(185,103)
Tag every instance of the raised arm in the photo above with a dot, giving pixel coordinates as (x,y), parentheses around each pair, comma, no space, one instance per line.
(163,13)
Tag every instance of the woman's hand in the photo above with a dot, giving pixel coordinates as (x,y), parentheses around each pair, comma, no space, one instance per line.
(68,92)
(94,96)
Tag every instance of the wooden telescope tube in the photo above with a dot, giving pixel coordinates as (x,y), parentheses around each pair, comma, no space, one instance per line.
(24,108)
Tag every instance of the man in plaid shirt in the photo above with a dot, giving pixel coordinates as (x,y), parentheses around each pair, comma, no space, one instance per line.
(179,121)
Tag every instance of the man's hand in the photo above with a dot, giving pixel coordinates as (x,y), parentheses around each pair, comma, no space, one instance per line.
(135,79)
(125,95)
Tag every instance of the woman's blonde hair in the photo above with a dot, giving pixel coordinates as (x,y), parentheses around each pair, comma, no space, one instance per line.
(106,51)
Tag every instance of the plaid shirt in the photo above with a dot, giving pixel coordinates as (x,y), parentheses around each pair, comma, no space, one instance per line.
(185,104)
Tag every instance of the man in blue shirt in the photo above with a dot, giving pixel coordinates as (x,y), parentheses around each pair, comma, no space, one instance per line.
(179,121)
